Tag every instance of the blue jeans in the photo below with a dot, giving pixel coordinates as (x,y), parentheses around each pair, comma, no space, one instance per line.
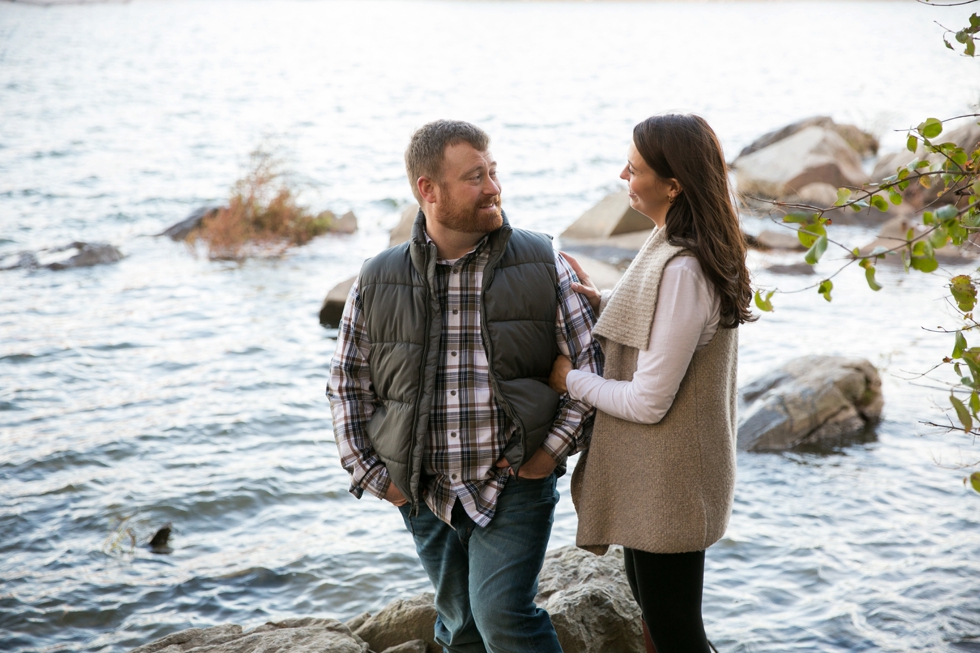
(485,578)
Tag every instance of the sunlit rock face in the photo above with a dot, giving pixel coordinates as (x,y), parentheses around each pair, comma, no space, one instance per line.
(809,400)
(307,635)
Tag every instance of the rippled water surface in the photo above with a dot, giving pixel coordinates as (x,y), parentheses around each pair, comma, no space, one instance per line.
(170,388)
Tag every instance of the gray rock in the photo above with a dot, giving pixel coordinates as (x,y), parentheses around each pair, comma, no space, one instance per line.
(791,268)
(356,622)
(308,635)
(862,142)
(589,601)
(20,260)
(414,646)
(403,230)
(785,239)
(809,400)
(812,155)
(612,216)
(345,224)
(333,303)
(401,621)
(87,255)
(182,229)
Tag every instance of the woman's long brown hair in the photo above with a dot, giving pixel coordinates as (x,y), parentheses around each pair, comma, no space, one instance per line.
(702,217)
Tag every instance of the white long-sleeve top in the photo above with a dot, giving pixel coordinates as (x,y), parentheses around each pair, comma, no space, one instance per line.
(688,311)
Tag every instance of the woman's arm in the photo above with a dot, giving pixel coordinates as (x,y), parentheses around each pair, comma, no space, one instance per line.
(687,310)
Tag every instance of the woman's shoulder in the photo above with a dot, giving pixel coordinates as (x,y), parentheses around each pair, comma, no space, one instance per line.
(684,263)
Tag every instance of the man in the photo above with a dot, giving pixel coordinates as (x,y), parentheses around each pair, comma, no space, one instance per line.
(440,398)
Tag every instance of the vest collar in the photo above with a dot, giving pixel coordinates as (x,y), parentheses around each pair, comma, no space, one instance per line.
(420,244)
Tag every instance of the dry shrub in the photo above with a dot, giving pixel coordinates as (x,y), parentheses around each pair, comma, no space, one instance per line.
(262,217)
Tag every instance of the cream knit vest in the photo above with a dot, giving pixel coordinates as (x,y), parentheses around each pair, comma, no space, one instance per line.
(665,487)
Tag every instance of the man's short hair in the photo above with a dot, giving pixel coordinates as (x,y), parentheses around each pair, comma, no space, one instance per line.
(426,151)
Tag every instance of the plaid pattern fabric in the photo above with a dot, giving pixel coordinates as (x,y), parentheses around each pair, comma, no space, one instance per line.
(467,429)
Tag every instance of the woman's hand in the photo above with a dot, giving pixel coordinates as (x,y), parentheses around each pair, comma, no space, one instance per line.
(586,288)
(559,371)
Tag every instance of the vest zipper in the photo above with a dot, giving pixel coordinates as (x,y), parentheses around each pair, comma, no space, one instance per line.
(488,346)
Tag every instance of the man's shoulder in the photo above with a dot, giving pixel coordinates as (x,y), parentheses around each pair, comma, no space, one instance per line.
(533,245)
(388,266)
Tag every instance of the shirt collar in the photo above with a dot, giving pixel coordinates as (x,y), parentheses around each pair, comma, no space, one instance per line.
(476,248)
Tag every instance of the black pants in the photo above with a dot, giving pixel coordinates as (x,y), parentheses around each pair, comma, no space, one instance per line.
(667,586)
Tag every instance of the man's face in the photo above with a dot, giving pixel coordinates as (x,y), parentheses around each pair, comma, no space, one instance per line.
(468,195)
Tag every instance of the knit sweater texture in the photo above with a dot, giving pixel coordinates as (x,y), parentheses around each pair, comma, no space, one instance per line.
(665,487)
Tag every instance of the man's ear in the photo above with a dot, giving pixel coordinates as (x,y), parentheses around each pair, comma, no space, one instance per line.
(427,189)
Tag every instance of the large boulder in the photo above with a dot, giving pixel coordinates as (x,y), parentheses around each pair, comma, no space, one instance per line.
(811,155)
(613,215)
(590,602)
(809,400)
(587,596)
(309,635)
(860,141)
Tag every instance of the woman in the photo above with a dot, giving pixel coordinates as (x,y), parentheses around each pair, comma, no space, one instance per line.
(659,476)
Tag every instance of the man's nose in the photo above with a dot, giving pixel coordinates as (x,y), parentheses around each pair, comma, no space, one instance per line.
(491,187)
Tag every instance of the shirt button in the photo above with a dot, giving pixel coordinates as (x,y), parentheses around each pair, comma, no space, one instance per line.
(455,271)
(452,392)
(453,434)
(454,477)
(454,353)
(455,311)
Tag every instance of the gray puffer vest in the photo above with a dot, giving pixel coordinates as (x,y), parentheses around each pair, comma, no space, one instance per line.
(403,318)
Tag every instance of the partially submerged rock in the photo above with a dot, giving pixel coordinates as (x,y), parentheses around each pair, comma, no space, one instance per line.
(182,229)
(75,255)
(786,239)
(401,621)
(403,230)
(811,155)
(308,635)
(860,141)
(809,400)
(612,216)
(333,304)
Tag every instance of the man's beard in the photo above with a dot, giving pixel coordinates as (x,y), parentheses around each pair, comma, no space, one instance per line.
(471,219)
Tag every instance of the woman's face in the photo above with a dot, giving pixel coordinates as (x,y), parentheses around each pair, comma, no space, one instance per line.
(649,193)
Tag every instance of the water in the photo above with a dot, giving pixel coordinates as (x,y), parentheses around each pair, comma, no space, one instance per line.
(170,388)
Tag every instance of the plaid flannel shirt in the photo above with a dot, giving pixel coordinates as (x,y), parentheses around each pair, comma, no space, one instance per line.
(467,429)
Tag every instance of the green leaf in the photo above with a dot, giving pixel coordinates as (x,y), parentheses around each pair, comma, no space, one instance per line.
(816,250)
(879,203)
(947,212)
(764,304)
(797,217)
(971,47)
(913,143)
(843,194)
(938,238)
(825,287)
(962,413)
(896,198)
(959,346)
(925,263)
(869,274)
(959,157)
(975,22)
(975,402)
(964,292)
(922,164)
(808,233)
(975,481)
(930,128)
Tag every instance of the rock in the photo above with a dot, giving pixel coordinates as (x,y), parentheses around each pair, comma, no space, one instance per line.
(356,622)
(895,232)
(20,260)
(916,195)
(613,215)
(401,621)
(809,156)
(809,400)
(603,275)
(345,224)
(182,229)
(333,303)
(414,646)
(160,543)
(403,230)
(590,602)
(791,268)
(818,194)
(779,240)
(862,142)
(309,635)
(86,255)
